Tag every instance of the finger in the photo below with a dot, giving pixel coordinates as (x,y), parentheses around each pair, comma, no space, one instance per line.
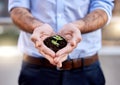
(77,36)
(47,50)
(49,58)
(34,37)
(38,44)
(59,65)
(59,60)
(74,40)
(39,37)
(65,50)
(43,36)
(73,43)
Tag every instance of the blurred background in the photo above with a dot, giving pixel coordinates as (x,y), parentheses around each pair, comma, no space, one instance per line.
(10,57)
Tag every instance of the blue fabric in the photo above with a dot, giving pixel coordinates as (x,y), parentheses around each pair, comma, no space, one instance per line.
(59,12)
(36,75)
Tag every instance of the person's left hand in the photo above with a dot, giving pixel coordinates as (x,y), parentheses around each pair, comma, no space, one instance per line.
(73,36)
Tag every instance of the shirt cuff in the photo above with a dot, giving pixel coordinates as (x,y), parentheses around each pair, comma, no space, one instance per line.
(107,7)
(109,15)
(18,3)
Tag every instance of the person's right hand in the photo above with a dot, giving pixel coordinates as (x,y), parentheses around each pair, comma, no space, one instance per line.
(72,35)
(39,35)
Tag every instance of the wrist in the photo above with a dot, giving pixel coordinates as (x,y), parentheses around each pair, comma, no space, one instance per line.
(36,25)
(79,24)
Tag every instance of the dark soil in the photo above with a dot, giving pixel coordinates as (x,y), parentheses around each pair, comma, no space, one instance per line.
(55,43)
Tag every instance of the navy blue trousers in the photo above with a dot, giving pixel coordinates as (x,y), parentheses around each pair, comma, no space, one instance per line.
(35,75)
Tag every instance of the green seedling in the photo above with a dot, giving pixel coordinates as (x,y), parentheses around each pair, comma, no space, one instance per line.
(58,37)
(55,43)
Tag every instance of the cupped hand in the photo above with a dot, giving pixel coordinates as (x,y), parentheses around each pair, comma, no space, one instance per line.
(73,36)
(39,35)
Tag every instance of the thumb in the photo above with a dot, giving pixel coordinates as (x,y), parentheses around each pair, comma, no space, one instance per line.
(38,44)
(73,43)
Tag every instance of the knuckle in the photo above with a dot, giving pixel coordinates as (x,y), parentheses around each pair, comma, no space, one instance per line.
(33,37)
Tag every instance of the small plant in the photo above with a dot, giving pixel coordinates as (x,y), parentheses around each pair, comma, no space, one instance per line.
(55,42)
(56,39)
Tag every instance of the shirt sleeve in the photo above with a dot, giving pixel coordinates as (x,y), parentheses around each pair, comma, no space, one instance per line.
(106,5)
(18,3)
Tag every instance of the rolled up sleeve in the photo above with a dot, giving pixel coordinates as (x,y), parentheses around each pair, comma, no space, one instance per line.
(18,3)
(106,5)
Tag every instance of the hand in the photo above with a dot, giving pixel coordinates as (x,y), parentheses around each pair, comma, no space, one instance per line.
(73,36)
(38,36)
